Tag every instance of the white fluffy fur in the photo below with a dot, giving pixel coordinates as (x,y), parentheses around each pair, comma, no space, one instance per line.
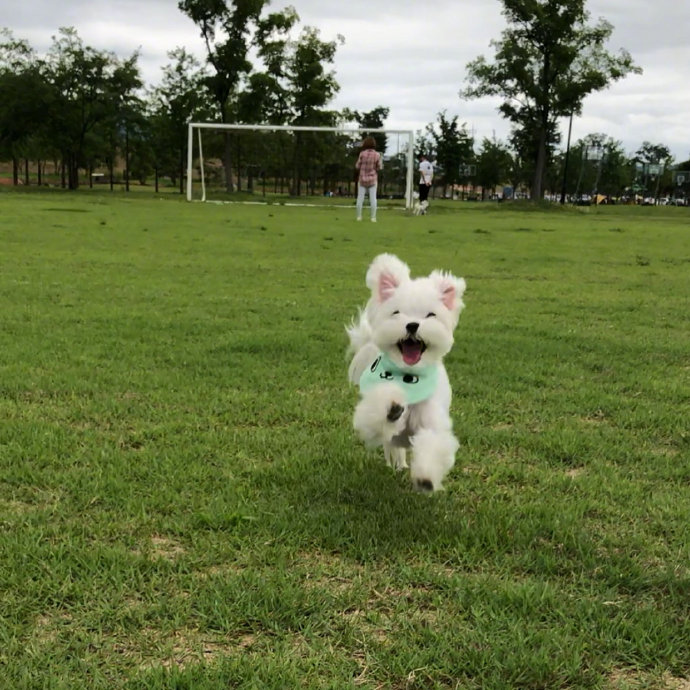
(419,208)
(434,302)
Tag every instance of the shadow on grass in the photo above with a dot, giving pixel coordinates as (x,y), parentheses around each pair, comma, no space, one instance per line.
(355,506)
(358,508)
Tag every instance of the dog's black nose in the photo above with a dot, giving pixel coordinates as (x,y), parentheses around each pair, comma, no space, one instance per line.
(412,327)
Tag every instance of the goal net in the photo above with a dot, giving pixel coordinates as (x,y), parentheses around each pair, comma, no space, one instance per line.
(281,163)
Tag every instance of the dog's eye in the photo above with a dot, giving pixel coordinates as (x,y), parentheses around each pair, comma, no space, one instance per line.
(431,313)
(395,312)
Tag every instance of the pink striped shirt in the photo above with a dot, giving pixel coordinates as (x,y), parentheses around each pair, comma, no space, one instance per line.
(368,164)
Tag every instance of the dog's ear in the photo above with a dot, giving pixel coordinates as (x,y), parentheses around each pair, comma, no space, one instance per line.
(385,274)
(451,290)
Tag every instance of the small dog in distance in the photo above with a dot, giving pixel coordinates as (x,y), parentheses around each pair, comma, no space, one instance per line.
(419,208)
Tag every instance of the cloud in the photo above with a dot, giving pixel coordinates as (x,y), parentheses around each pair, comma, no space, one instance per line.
(411,56)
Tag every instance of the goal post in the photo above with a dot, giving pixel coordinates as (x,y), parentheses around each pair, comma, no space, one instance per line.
(199,127)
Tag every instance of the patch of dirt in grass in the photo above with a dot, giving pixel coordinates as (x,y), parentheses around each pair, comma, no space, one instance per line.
(188,646)
(375,627)
(474,470)
(47,626)
(662,566)
(148,648)
(333,583)
(221,569)
(179,649)
(15,508)
(162,547)
(597,417)
(328,570)
(665,451)
(34,500)
(575,472)
(35,395)
(129,443)
(637,680)
(376,617)
(166,548)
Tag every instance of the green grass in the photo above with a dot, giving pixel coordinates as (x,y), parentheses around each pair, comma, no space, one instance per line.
(183,502)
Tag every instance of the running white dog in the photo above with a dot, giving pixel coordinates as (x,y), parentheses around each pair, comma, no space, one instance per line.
(398,344)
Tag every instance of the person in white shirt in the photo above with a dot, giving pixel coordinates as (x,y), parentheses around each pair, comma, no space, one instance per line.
(426,175)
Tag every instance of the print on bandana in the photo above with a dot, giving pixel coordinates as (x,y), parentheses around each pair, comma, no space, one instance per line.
(418,384)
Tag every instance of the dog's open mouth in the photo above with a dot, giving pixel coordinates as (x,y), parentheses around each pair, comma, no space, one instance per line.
(411,349)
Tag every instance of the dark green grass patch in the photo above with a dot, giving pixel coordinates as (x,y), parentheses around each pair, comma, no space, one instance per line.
(183,503)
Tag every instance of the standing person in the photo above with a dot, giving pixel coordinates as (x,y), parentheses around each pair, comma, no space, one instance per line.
(426,175)
(369,163)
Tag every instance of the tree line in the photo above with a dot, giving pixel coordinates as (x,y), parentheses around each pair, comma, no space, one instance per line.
(595,167)
(85,109)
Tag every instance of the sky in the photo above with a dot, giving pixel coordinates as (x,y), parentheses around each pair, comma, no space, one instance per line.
(410,56)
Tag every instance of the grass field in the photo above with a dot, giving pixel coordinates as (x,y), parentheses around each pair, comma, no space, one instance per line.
(183,503)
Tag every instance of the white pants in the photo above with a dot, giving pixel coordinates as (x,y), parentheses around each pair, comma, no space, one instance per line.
(361,191)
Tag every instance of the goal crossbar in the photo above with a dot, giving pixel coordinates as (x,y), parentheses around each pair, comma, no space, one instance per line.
(299,128)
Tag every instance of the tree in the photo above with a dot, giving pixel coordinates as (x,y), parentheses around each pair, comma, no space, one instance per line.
(266,97)
(178,99)
(494,164)
(290,84)
(599,165)
(228,30)
(453,146)
(653,153)
(656,159)
(680,187)
(26,101)
(524,141)
(95,96)
(547,61)
(308,87)
(373,119)
(614,176)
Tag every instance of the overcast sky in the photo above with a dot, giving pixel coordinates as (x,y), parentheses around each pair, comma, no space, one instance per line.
(410,56)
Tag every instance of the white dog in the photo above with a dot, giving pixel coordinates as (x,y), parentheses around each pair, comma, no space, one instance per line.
(419,208)
(398,345)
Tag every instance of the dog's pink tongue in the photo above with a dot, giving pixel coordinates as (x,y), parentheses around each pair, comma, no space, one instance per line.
(411,352)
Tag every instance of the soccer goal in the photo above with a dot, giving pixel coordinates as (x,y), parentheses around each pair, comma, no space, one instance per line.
(299,164)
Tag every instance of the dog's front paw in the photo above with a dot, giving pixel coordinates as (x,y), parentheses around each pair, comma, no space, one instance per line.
(396,418)
(381,414)
(395,412)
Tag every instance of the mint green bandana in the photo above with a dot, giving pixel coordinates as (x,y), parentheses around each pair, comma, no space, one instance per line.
(417,384)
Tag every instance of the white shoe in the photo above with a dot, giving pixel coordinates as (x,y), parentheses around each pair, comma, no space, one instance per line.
(359,217)
(373,220)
